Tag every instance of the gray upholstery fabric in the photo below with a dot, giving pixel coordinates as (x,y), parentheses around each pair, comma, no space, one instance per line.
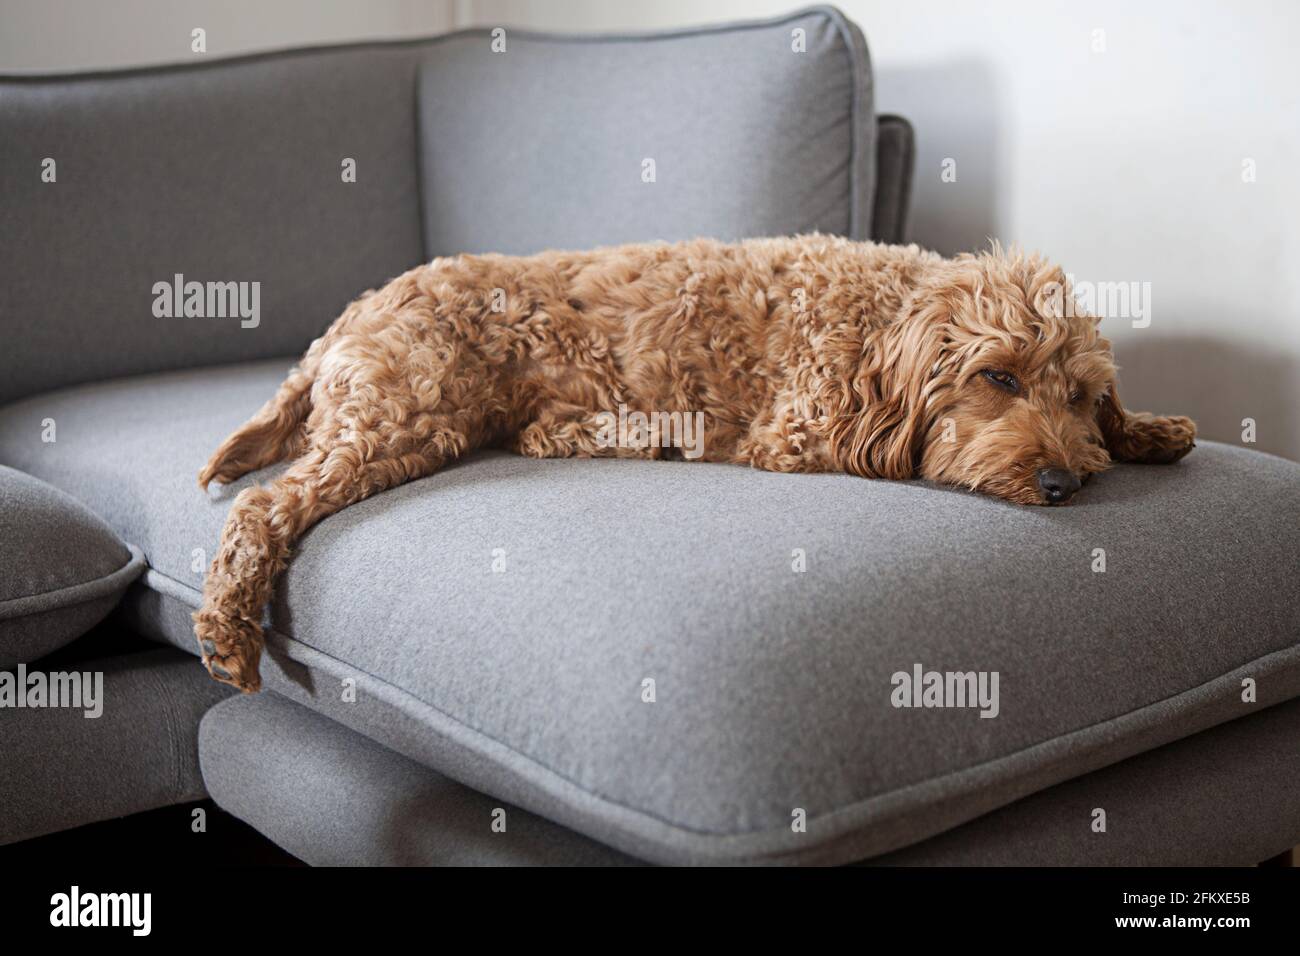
(1228,796)
(224,172)
(748,136)
(334,797)
(62,769)
(61,568)
(773,687)
(231,171)
(895,159)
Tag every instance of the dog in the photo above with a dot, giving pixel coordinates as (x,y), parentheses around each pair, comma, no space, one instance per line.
(805,354)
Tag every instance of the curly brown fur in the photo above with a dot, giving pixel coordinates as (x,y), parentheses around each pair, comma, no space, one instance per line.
(804,354)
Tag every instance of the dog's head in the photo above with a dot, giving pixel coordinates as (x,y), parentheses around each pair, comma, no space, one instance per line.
(991,380)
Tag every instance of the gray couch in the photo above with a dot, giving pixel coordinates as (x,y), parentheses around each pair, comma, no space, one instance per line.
(600,662)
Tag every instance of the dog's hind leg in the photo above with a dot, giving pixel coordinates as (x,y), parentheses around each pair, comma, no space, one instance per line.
(271,435)
(339,468)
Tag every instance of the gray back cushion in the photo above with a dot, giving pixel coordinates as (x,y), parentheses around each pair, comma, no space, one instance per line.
(544,144)
(226,172)
(232,172)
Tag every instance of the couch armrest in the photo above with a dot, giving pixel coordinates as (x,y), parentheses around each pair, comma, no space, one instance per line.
(895,159)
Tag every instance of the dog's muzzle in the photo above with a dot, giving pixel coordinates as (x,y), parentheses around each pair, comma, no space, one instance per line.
(1057,485)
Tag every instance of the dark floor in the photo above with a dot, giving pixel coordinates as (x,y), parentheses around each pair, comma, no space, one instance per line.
(163,836)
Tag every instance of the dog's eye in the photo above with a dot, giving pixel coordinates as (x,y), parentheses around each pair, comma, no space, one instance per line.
(1001,379)
(1076,397)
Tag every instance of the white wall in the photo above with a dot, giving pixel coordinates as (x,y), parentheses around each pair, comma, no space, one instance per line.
(1124,165)
(100,34)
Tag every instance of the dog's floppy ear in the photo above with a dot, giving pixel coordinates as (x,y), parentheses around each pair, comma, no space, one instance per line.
(882,421)
(1140,436)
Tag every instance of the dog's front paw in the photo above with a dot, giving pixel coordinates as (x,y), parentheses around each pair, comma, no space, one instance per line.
(1170,438)
(231,648)
(1156,439)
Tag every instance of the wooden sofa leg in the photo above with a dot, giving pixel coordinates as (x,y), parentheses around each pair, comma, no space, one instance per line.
(1285,858)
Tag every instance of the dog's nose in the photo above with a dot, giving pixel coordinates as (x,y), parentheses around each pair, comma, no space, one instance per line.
(1057,484)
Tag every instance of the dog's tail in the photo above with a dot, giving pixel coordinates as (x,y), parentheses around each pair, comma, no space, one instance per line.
(269,436)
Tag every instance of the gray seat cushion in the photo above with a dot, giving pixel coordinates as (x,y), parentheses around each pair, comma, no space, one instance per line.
(61,567)
(773,687)
(332,797)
